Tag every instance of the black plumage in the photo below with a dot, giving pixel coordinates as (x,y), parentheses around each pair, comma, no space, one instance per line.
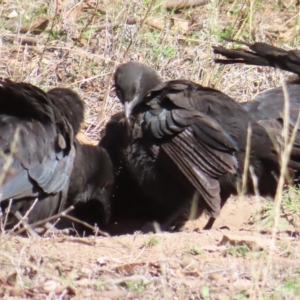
(89,174)
(90,188)
(268,106)
(92,177)
(37,150)
(261,54)
(268,109)
(130,208)
(70,105)
(186,138)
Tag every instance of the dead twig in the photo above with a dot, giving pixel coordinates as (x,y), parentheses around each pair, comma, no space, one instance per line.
(21,220)
(37,26)
(179,4)
(112,25)
(95,8)
(86,225)
(75,240)
(23,40)
(88,23)
(63,213)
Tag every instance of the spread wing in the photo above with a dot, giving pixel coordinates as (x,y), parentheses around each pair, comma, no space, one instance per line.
(195,142)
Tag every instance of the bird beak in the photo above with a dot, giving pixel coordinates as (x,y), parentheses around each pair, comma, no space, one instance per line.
(128,106)
(127,109)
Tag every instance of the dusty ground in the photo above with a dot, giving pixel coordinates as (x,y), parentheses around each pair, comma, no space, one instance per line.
(78,44)
(228,262)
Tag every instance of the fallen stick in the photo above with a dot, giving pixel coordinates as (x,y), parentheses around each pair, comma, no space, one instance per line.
(179,4)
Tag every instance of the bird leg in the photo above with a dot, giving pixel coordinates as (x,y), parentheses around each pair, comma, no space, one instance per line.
(209,223)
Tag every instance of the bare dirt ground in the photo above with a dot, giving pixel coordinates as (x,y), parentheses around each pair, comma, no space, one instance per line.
(78,44)
(232,261)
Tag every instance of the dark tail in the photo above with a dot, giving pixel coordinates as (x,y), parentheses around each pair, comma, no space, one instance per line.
(260,54)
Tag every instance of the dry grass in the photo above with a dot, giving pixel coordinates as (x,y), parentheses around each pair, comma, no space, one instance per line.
(80,48)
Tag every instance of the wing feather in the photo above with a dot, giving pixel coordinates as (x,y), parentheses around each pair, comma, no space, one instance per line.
(196,143)
(43,156)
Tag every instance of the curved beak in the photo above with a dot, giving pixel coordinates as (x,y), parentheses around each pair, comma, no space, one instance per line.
(127,109)
(128,106)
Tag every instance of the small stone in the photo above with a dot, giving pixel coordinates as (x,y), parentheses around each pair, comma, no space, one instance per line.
(49,286)
(217,278)
(13,14)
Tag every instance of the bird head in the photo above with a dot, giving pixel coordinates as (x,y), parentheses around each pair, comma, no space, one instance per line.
(133,81)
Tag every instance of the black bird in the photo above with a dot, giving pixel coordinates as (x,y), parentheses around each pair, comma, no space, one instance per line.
(92,177)
(268,109)
(186,138)
(268,106)
(90,174)
(37,150)
(90,188)
(130,208)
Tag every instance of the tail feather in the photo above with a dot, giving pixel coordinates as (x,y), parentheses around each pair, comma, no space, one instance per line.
(260,54)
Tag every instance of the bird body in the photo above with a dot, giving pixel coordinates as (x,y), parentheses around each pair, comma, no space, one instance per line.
(268,107)
(37,151)
(187,138)
(92,178)
(128,202)
(37,138)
